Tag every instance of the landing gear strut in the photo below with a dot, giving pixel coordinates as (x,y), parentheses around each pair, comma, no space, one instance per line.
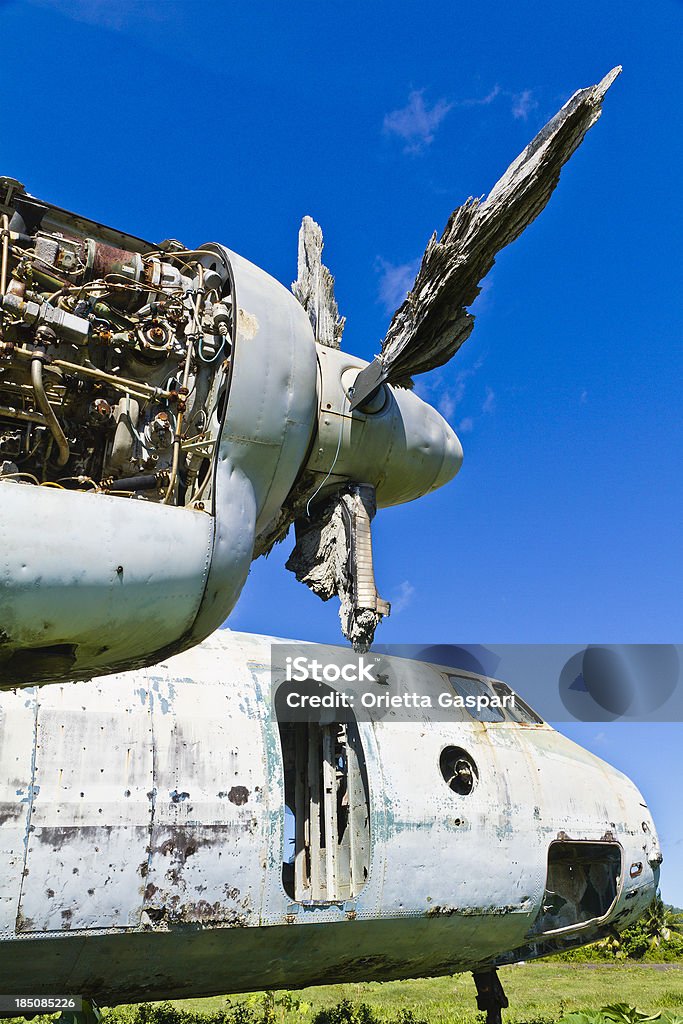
(490,995)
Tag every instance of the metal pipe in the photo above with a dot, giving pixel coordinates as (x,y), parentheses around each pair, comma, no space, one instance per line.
(79,480)
(20,476)
(183,390)
(5,253)
(18,414)
(135,388)
(202,487)
(145,390)
(46,409)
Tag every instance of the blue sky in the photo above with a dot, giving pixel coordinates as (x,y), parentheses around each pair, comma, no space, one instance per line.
(230,122)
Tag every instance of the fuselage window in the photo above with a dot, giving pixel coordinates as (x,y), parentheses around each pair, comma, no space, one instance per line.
(326,856)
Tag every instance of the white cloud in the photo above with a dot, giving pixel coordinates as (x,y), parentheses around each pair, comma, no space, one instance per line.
(404,595)
(483,102)
(416,123)
(447,397)
(583,397)
(106,14)
(446,404)
(395,281)
(462,377)
(522,104)
(490,400)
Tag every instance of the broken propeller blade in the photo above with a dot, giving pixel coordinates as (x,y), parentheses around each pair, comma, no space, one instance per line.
(433,321)
(314,287)
(333,555)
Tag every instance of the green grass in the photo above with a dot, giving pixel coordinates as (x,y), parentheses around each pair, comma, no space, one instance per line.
(537,992)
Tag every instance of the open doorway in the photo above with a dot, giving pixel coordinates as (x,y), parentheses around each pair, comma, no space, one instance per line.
(326,855)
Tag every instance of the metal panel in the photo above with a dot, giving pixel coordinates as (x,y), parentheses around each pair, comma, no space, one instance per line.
(89,824)
(491,865)
(17,728)
(107,586)
(359,817)
(272,408)
(208,835)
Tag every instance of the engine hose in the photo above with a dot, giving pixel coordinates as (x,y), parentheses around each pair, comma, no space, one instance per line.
(145,482)
(5,253)
(177,439)
(46,409)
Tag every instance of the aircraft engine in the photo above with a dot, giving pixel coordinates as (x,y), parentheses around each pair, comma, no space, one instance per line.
(114,361)
(148,426)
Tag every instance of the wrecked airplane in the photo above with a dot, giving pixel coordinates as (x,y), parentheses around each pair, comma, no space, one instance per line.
(165,830)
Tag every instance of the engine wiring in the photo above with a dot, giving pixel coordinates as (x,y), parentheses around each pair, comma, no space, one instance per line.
(113,362)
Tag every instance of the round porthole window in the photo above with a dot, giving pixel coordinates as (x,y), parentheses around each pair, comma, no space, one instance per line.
(459,770)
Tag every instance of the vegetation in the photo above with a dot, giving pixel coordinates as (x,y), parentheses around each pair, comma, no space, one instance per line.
(656,938)
(617,1013)
(539,993)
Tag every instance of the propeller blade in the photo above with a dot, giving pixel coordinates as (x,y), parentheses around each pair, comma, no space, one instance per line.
(433,322)
(314,286)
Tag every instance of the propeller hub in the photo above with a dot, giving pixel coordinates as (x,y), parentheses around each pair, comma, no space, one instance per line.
(394,440)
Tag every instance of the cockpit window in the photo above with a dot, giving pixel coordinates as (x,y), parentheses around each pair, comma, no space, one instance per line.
(480,701)
(516,710)
(492,701)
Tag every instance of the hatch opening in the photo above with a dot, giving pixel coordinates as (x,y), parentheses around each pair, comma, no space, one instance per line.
(326,855)
(582,885)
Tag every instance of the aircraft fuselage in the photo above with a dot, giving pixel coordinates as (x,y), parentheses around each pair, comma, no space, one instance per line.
(163,835)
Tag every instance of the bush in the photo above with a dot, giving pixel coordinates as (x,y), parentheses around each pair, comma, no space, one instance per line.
(346,1013)
(656,937)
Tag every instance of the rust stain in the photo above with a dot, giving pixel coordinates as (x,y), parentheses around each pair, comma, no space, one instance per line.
(180,845)
(238,795)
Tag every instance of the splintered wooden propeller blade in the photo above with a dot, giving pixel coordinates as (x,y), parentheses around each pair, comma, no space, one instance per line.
(433,322)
